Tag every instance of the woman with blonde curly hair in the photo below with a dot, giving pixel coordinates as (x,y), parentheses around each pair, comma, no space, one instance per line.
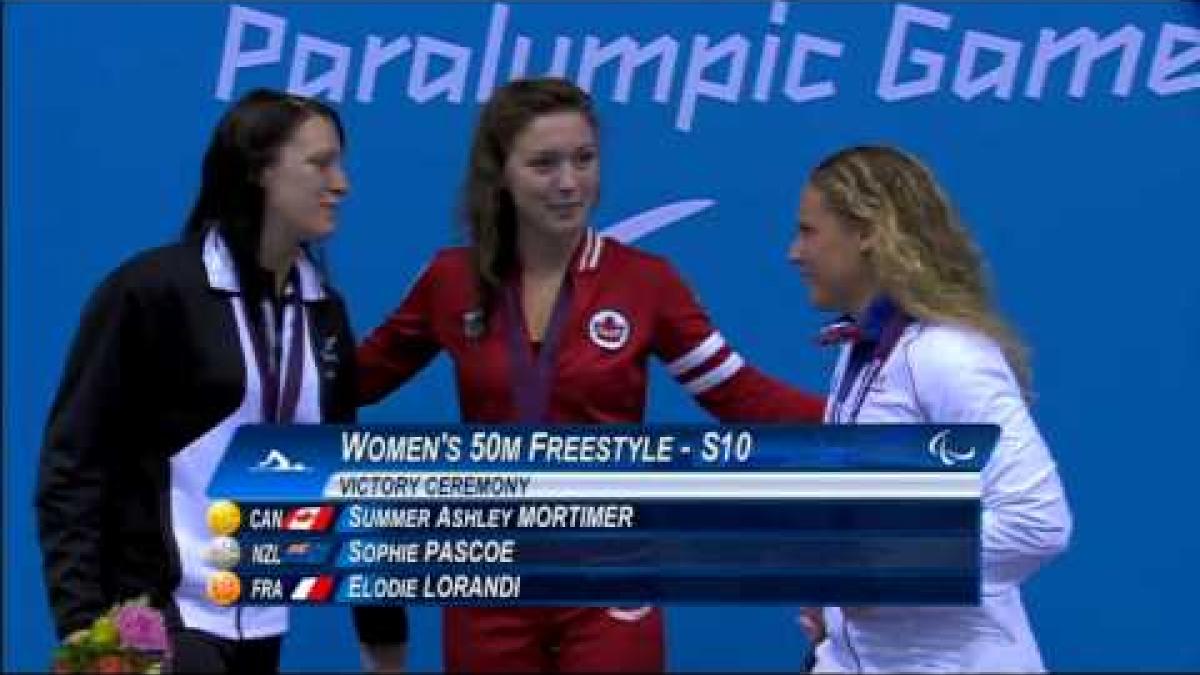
(879,242)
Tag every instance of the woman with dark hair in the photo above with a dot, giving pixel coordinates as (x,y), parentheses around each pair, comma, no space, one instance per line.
(549,322)
(175,350)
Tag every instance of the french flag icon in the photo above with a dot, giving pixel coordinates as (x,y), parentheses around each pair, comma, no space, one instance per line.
(309,519)
(313,589)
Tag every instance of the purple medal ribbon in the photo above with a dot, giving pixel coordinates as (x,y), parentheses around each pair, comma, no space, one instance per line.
(532,376)
(273,411)
(888,338)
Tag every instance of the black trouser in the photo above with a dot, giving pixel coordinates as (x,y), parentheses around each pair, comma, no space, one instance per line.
(195,651)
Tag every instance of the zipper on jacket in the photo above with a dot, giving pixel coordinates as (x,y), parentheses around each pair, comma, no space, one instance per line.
(858,668)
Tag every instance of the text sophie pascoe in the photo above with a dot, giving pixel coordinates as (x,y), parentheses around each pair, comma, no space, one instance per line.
(884,514)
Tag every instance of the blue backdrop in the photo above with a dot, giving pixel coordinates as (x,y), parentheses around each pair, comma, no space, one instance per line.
(1068,134)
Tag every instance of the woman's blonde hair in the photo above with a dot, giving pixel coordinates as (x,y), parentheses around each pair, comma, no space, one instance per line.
(923,257)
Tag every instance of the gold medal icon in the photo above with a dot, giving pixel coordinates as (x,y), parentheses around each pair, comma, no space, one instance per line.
(224,588)
(224,517)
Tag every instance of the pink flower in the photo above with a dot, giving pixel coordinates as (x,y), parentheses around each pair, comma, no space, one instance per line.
(142,628)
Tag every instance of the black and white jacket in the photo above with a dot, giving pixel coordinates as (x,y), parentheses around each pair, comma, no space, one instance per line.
(160,375)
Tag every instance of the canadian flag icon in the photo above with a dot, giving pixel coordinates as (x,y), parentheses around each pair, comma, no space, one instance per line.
(313,589)
(309,518)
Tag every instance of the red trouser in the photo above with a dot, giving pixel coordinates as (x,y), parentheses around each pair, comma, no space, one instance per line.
(553,639)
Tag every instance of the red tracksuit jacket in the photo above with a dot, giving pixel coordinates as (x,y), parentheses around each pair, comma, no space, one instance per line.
(623,305)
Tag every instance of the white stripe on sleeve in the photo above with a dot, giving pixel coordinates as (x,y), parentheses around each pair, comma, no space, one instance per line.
(703,352)
(717,375)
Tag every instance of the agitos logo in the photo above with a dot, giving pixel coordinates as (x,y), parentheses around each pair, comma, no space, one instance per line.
(941,448)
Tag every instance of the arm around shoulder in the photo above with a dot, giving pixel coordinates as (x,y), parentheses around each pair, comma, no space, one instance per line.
(404,343)
(697,355)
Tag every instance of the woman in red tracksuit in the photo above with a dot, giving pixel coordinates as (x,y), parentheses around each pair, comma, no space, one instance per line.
(548,322)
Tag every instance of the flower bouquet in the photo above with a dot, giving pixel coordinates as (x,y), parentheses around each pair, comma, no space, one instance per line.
(129,638)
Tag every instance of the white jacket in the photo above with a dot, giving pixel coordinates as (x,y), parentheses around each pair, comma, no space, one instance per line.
(944,374)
